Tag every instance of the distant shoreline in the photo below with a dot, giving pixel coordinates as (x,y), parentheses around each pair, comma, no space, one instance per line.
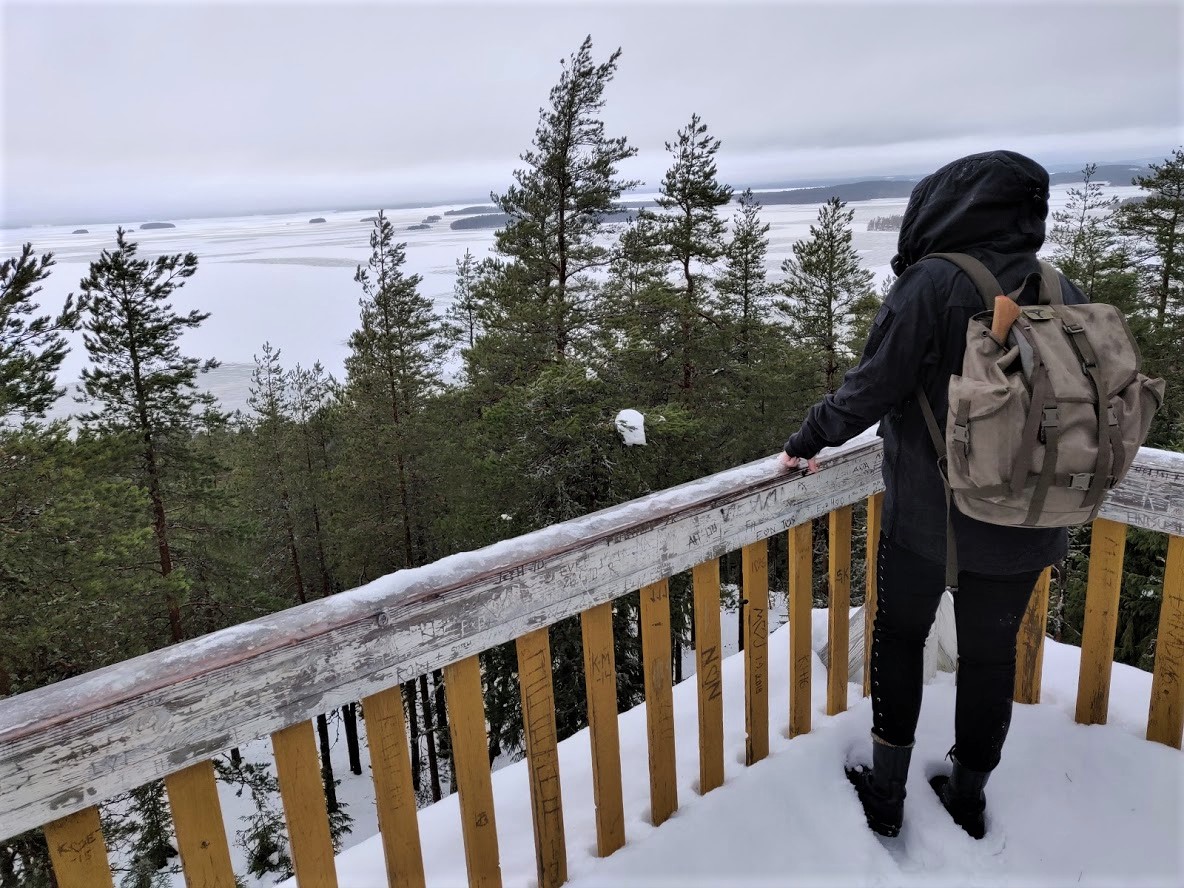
(890,185)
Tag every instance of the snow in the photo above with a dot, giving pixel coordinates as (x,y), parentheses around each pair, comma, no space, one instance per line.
(631,425)
(1070,804)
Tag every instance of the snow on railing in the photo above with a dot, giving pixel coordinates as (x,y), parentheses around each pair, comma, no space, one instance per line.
(69,746)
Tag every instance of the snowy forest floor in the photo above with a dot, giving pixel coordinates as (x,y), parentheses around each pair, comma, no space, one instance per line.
(1070,805)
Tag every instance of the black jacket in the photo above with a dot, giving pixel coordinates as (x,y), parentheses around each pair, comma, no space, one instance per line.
(992,206)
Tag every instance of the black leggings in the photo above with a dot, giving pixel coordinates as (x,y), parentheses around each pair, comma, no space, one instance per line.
(988,611)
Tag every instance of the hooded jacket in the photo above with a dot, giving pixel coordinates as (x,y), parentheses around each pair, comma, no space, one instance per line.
(992,206)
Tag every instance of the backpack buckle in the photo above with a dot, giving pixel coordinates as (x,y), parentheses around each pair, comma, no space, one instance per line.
(1049,418)
(1081,481)
(1074,329)
(961,435)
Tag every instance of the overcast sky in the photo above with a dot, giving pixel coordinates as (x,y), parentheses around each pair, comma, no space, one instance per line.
(186,109)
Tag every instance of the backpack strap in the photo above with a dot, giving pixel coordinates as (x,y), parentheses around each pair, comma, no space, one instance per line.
(939,444)
(1050,285)
(979,275)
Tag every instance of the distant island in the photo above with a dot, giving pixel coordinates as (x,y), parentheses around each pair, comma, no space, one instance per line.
(471,211)
(498,220)
(420,227)
(1114,174)
(316,220)
(885,223)
(148,226)
(370,219)
(432,219)
(80,231)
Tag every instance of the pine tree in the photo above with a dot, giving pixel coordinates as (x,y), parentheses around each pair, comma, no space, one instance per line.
(743,288)
(1154,233)
(1155,226)
(140,382)
(557,207)
(1088,248)
(393,366)
(31,348)
(823,291)
(689,235)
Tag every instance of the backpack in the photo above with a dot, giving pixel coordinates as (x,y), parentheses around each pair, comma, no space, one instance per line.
(1042,425)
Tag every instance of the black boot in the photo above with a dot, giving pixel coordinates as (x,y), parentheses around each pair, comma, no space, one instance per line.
(881,789)
(962,795)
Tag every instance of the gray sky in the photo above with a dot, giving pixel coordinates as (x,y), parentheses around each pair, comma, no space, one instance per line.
(186,109)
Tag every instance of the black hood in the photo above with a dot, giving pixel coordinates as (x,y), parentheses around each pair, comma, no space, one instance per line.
(995,201)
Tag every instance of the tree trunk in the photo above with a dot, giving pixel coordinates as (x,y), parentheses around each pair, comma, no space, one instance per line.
(442,726)
(327,765)
(349,717)
(160,530)
(413,722)
(236,757)
(433,765)
(292,551)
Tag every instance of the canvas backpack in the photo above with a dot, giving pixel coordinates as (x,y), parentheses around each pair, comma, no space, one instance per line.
(1041,426)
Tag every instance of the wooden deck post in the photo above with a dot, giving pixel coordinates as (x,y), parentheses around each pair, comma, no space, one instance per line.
(756,651)
(201,834)
(875,513)
(838,608)
(1106,549)
(1029,662)
(1165,721)
(470,749)
(394,791)
(600,682)
(78,852)
(659,700)
(542,754)
(801,599)
(302,791)
(708,674)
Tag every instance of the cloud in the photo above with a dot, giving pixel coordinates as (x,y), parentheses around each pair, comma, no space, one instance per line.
(181,109)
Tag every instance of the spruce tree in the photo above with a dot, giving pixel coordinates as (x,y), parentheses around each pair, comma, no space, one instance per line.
(271,432)
(315,413)
(462,315)
(138,380)
(758,390)
(823,289)
(31,348)
(557,207)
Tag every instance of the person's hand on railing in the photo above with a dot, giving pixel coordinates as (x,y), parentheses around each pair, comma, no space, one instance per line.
(790,463)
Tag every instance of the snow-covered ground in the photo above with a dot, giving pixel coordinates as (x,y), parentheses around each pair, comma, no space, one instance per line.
(279,278)
(1070,805)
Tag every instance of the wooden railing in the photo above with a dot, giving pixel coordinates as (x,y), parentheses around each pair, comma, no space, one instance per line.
(67,747)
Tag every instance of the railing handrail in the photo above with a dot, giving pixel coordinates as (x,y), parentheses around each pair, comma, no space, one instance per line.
(71,744)
(76,742)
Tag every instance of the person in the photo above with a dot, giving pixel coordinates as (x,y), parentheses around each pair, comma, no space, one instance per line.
(993,207)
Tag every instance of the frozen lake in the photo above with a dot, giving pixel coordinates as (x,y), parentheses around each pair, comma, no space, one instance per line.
(280,279)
